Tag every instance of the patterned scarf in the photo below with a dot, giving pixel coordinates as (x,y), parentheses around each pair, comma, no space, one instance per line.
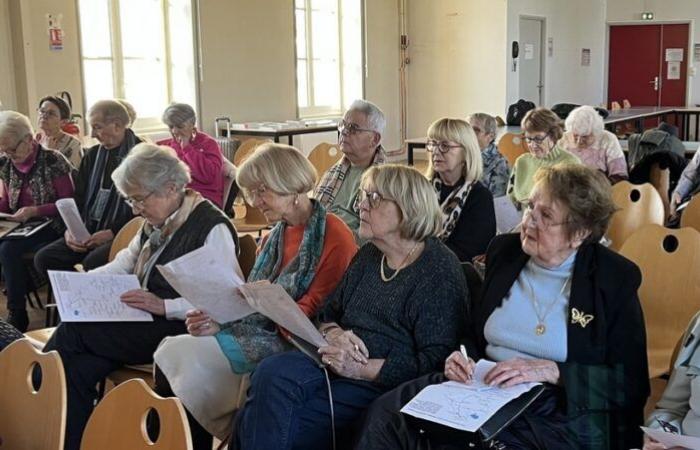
(452,205)
(333,179)
(158,238)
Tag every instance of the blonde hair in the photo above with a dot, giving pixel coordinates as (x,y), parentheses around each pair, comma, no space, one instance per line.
(281,168)
(459,131)
(421,216)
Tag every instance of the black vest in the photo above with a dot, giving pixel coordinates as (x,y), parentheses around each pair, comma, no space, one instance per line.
(190,236)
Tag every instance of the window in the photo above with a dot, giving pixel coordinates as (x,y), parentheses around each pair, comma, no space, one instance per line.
(329,55)
(138,50)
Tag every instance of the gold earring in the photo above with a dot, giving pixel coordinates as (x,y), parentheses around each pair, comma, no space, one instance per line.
(296,200)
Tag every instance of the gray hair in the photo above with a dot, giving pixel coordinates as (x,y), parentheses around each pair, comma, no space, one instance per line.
(16,125)
(178,114)
(151,167)
(487,122)
(375,117)
(584,120)
(111,111)
(129,110)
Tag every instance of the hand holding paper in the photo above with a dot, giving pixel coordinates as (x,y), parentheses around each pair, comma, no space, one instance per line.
(70,215)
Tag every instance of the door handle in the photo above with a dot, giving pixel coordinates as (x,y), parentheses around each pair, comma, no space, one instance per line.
(655,82)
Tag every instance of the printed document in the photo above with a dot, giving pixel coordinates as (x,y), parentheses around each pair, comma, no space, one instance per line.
(671,440)
(71,217)
(507,215)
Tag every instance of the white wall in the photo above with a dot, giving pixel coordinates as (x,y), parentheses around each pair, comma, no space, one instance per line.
(7,76)
(664,10)
(573,24)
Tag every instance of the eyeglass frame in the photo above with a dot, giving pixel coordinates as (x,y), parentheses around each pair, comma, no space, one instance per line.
(540,223)
(48,113)
(251,195)
(431,145)
(140,204)
(351,128)
(537,140)
(364,194)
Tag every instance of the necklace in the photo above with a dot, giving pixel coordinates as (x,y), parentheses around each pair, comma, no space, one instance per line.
(540,329)
(398,269)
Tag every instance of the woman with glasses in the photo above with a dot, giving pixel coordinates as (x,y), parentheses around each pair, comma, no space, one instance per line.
(32,178)
(307,253)
(556,308)
(54,113)
(177,221)
(598,148)
(542,130)
(469,221)
(394,316)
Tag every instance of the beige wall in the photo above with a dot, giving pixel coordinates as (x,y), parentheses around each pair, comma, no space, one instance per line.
(8,98)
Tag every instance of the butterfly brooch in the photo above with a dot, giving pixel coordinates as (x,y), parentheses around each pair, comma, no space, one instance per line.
(581,318)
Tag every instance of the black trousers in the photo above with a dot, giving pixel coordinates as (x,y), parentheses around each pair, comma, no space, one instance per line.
(91,350)
(58,256)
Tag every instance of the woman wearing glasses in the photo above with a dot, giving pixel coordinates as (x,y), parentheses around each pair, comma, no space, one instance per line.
(307,253)
(556,308)
(469,221)
(394,316)
(543,130)
(54,113)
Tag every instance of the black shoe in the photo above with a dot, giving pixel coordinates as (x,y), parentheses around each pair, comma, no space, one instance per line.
(19,319)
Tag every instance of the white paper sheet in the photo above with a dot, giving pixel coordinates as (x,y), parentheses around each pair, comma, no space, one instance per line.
(71,217)
(463,406)
(85,297)
(673,440)
(507,215)
(201,278)
(272,301)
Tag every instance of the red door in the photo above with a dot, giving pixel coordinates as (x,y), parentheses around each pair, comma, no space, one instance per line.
(638,70)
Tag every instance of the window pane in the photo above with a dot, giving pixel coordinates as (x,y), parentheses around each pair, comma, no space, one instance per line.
(301,33)
(95,36)
(142,28)
(326,84)
(302,87)
(351,26)
(324,34)
(99,83)
(145,86)
(182,69)
(299,4)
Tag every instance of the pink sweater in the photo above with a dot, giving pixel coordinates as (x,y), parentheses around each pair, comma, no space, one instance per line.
(204,158)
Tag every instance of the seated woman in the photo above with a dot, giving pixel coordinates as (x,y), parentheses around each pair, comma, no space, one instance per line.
(307,253)
(177,221)
(54,112)
(496,171)
(198,150)
(598,148)
(677,411)
(469,221)
(31,180)
(543,130)
(557,308)
(394,316)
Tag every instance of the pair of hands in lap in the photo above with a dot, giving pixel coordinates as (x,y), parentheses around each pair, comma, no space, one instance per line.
(505,373)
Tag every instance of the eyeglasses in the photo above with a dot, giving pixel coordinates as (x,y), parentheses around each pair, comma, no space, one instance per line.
(350,128)
(541,220)
(374,198)
(253,194)
(443,147)
(536,139)
(137,203)
(46,113)
(477,130)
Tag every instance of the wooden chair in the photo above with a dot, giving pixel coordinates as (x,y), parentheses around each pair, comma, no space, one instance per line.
(511,146)
(246,258)
(615,106)
(31,419)
(660,178)
(246,149)
(324,156)
(691,214)
(670,292)
(626,104)
(639,205)
(119,421)
(124,236)
(253,221)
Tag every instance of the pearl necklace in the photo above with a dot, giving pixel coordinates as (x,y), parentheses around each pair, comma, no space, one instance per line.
(398,269)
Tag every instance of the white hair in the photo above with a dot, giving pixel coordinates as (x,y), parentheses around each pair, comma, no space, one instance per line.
(584,120)
(151,167)
(15,125)
(375,117)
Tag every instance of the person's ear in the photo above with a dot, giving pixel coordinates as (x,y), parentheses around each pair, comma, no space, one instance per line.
(578,238)
(376,139)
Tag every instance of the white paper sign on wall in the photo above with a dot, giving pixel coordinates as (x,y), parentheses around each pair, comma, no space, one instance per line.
(674,70)
(674,54)
(529,51)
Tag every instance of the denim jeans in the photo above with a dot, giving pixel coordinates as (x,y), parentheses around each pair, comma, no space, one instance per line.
(288,408)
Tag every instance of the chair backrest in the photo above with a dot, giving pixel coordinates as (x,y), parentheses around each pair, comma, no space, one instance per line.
(691,214)
(323,156)
(246,258)
(474,283)
(670,292)
(615,106)
(246,148)
(639,205)
(626,104)
(119,421)
(660,178)
(511,146)
(31,420)
(124,236)
(230,186)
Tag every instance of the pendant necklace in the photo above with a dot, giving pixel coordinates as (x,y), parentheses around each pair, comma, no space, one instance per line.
(540,329)
(398,269)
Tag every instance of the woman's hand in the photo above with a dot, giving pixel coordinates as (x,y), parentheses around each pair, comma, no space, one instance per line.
(98,238)
(675,201)
(651,444)
(518,370)
(140,299)
(348,341)
(200,324)
(24,214)
(341,362)
(78,247)
(459,368)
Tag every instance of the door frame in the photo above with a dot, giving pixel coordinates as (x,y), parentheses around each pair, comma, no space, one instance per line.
(689,48)
(543,55)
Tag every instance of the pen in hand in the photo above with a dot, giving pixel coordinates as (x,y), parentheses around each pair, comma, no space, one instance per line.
(463,351)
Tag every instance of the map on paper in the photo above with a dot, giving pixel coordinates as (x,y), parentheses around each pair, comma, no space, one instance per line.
(85,297)
(463,406)
(673,440)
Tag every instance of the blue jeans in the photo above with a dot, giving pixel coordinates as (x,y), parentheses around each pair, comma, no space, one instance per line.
(287,406)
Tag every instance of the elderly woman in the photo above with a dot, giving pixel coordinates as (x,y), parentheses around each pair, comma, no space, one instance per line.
(556,308)
(152,180)
(393,317)
(32,178)
(496,172)
(598,148)
(101,207)
(54,113)
(198,150)
(307,253)
(469,221)
(543,130)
